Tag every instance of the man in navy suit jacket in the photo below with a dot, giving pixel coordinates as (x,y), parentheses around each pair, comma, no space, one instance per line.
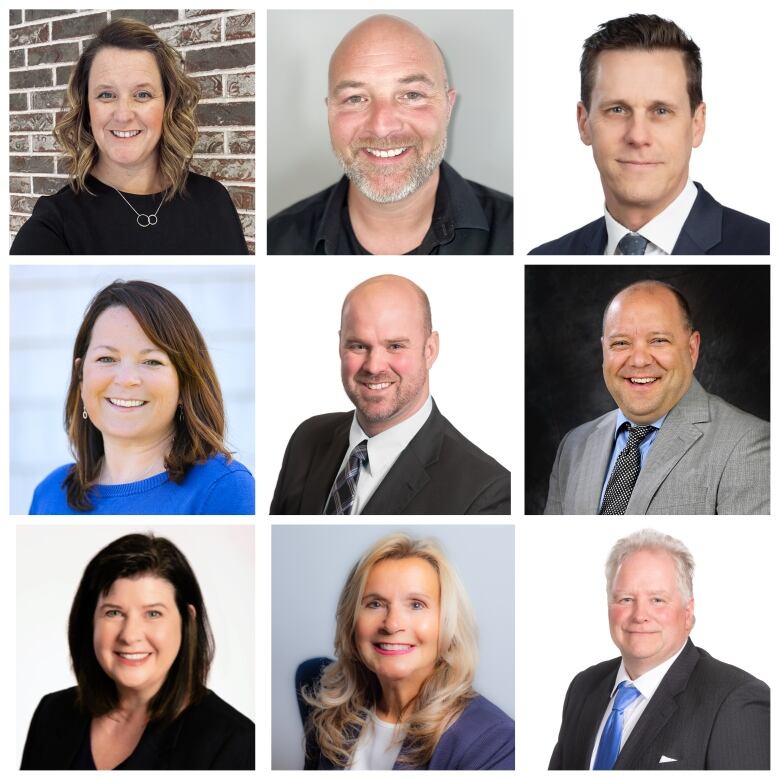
(642,112)
(685,709)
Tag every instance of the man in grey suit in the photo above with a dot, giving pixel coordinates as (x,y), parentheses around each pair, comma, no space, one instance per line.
(665,703)
(670,447)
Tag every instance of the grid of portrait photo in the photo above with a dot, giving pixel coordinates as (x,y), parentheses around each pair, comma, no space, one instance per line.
(316,457)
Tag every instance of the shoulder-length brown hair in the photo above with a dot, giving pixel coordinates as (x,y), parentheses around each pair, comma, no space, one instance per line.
(199,426)
(131,556)
(180,130)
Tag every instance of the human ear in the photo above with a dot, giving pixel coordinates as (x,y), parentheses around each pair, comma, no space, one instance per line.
(582,124)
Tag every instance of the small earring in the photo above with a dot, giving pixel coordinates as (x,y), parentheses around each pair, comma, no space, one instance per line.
(84,413)
(180,413)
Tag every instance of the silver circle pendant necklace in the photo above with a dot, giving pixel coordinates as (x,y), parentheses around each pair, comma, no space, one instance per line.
(143,220)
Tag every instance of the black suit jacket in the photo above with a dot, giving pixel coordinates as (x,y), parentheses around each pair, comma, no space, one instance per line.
(208,735)
(439,473)
(705,714)
(711,229)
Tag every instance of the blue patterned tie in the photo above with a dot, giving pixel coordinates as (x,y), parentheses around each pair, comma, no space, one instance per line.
(344,490)
(609,747)
(632,244)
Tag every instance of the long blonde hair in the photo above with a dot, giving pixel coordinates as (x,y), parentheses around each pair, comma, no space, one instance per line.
(348,691)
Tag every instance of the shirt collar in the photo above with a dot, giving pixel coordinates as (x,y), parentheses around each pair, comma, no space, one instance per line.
(456,207)
(385,447)
(663,230)
(621,419)
(647,683)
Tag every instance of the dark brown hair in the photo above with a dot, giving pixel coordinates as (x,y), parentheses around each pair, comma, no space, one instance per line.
(199,429)
(132,556)
(646,32)
(180,130)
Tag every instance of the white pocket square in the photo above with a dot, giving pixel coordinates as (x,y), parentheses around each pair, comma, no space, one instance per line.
(666,760)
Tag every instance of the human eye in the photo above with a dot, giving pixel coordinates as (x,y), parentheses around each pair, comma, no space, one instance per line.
(153,362)
(105,94)
(154,613)
(110,613)
(417,604)
(616,110)
(356,346)
(144,94)
(354,100)
(105,359)
(373,604)
(395,347)
(662,111)
(660,340)
(618,343)
(625,600)
(413,96)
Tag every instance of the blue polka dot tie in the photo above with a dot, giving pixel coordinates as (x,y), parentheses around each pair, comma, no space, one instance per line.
(626,471)
(632,244)
(344,490)
(609,746)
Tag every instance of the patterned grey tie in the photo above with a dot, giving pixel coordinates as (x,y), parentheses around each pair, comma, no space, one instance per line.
(344,490)
(624,475)
(632,244)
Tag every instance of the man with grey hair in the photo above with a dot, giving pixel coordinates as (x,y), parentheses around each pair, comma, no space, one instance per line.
(665,703)
(670,447)
(389,105)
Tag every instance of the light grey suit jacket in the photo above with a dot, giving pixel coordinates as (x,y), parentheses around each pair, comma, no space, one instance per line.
(709,458)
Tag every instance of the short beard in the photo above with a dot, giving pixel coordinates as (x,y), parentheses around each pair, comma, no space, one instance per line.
(419,173)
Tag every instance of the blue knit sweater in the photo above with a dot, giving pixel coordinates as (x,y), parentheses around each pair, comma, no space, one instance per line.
(215,487)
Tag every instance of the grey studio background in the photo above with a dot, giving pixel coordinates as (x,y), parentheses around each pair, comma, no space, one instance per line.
(477,48)
(310,565)
(47,307)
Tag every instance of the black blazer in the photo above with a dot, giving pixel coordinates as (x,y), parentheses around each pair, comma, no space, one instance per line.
(711,229)
(483,736)
(439,473)
(705,714)
(208,735)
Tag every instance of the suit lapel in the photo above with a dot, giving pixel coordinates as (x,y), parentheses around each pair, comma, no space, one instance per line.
(703,227)
(596,242)
(592,712)
(325,461)
(677,435)
(583,494)
(408,475)
(660,709)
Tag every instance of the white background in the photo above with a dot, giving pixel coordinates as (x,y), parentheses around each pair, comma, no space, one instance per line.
(50,562)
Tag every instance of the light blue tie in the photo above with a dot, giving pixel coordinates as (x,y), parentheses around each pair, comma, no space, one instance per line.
(609,747)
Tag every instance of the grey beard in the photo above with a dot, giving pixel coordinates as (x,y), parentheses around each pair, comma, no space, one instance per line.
(420,173)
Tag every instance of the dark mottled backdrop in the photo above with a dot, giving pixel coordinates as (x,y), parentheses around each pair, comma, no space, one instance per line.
(563,382)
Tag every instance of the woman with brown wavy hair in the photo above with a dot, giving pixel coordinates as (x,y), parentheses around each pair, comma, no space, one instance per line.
(127,133)
(399,694)
(144,415)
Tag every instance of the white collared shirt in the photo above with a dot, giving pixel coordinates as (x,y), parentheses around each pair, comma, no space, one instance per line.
(646,684)
(383,451)
(662,231)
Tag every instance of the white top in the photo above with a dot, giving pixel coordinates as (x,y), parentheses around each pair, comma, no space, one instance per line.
(376,747)
(647,684)
(662,231)
(383,451)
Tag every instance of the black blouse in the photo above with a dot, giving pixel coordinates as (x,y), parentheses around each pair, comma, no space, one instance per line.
(201,222)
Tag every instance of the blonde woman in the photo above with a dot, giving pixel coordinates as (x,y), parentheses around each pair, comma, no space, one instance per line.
(127,133)
(400,695)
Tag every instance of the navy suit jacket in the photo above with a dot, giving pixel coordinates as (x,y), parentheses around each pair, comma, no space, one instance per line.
(439,473)
(711,229)
(704,715)
(483,736)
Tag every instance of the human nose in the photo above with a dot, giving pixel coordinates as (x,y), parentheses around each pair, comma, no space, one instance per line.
(639,612)
(383,119)
(123,109)
(392,622)
(131,631)
(640,356)
(127,374)
(638,131)
(374,362)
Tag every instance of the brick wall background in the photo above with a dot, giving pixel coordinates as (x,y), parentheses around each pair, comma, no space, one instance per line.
(219,52)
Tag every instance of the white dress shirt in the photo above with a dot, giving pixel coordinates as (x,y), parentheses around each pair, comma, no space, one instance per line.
(646,684)
(383,451)
(378,745)
(662,231)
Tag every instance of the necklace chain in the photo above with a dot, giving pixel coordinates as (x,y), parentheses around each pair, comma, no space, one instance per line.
(143,220)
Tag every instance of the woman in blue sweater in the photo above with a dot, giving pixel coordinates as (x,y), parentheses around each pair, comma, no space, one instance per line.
(144,415)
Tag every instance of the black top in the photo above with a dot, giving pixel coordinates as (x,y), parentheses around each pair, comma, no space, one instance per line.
(468,219)
(201,222)
(207,735)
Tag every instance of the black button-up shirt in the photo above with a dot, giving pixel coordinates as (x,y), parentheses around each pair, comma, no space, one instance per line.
(468,219)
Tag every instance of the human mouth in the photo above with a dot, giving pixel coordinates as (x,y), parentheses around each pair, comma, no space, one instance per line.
(387,648)
(125,403)
(380,386)
(124,133)
(132,659)
(386,152)
(642,380)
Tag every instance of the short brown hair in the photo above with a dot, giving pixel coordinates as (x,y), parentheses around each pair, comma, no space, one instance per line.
(646,32)
(180,130)
(200,428)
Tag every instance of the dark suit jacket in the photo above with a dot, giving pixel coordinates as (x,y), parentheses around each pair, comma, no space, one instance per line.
(705,714)
(711,229)
(483,737)
(439,473)
(207,735)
